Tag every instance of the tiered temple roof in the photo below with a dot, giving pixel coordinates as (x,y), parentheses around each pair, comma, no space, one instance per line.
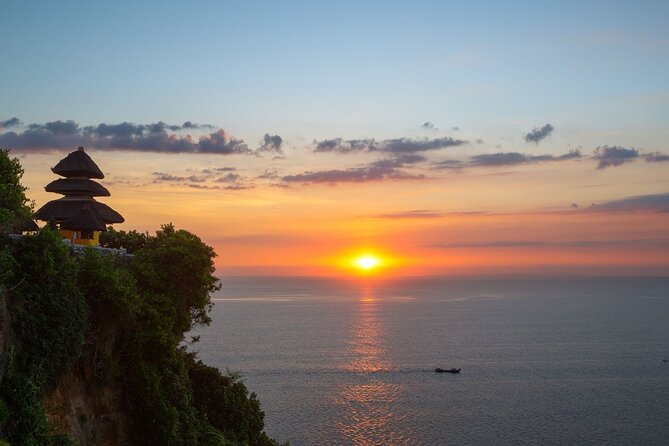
(77,209)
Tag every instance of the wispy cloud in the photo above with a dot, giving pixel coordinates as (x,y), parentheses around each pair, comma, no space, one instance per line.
(352,175)
(655,157)
(537,134)
(396,146)
(229,178)
(159,177)
(11,122)
(639,203)
(500,159)
(609,156)
(402,160)
(156,137)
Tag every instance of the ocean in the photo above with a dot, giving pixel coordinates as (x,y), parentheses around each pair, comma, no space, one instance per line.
(544,361)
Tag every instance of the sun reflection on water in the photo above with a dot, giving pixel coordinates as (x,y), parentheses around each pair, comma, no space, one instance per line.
(368,405)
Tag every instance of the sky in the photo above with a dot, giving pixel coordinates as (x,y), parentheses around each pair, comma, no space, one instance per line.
(450,138)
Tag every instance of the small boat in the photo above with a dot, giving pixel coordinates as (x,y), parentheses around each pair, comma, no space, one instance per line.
(440,370)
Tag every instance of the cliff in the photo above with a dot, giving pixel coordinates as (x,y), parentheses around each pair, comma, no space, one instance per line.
(93,346)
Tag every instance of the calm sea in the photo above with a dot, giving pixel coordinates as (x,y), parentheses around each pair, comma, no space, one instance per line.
(552,361)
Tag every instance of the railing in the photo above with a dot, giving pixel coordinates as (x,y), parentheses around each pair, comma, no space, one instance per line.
(80,249)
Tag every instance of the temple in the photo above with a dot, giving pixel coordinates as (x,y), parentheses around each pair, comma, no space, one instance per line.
(79,216)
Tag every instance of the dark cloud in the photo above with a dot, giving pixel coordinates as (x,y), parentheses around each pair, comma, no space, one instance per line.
(537,134)
(225,169)
(353,175)
(397,146)
(428,126)
(220,142)
(455,128)
(608,156)
(640,203)
(188,125)
(500,159)
(122,130)
(515,158)
(62,127)
(270,143)
(656,157)
(11,122)
(154,137)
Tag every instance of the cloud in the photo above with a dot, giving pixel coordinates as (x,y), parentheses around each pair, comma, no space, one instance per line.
(428,126)
(639,203)
(419,214)
(504,159)
(403,160)
(240,187)
(156,137)
(537,134)
(161,176)
(608,156)
(655,157)
(271,144)
(61,127)
(11,122)
(167,177)
(229,178)
(397,146)
(353,175)
(515,158)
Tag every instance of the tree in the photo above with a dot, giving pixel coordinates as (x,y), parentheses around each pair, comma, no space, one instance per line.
(16,210)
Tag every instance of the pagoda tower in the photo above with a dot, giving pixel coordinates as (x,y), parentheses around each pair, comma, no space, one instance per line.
(80,217)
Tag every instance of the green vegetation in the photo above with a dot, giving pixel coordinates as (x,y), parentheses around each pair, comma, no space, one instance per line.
(126,320)
(15,208)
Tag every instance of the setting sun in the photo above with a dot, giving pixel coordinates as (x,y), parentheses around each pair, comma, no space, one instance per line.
(367,262)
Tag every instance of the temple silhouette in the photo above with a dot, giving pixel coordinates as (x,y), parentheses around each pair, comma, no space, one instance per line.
(79,216)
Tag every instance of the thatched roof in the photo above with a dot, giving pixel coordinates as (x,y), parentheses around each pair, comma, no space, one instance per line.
(78,164)
(64,208)
(85,219)
(84,186)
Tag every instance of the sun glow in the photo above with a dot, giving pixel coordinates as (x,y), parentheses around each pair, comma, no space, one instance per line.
(367,262)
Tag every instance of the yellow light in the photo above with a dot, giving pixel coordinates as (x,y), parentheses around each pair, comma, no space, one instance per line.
(367,262)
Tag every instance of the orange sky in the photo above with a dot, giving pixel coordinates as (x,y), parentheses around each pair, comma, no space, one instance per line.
(506,220)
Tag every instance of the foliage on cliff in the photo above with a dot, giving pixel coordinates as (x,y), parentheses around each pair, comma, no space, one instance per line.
(127,321)
(15,207)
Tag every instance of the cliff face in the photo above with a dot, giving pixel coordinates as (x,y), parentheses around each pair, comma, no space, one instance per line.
(92,349)
(87,412)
